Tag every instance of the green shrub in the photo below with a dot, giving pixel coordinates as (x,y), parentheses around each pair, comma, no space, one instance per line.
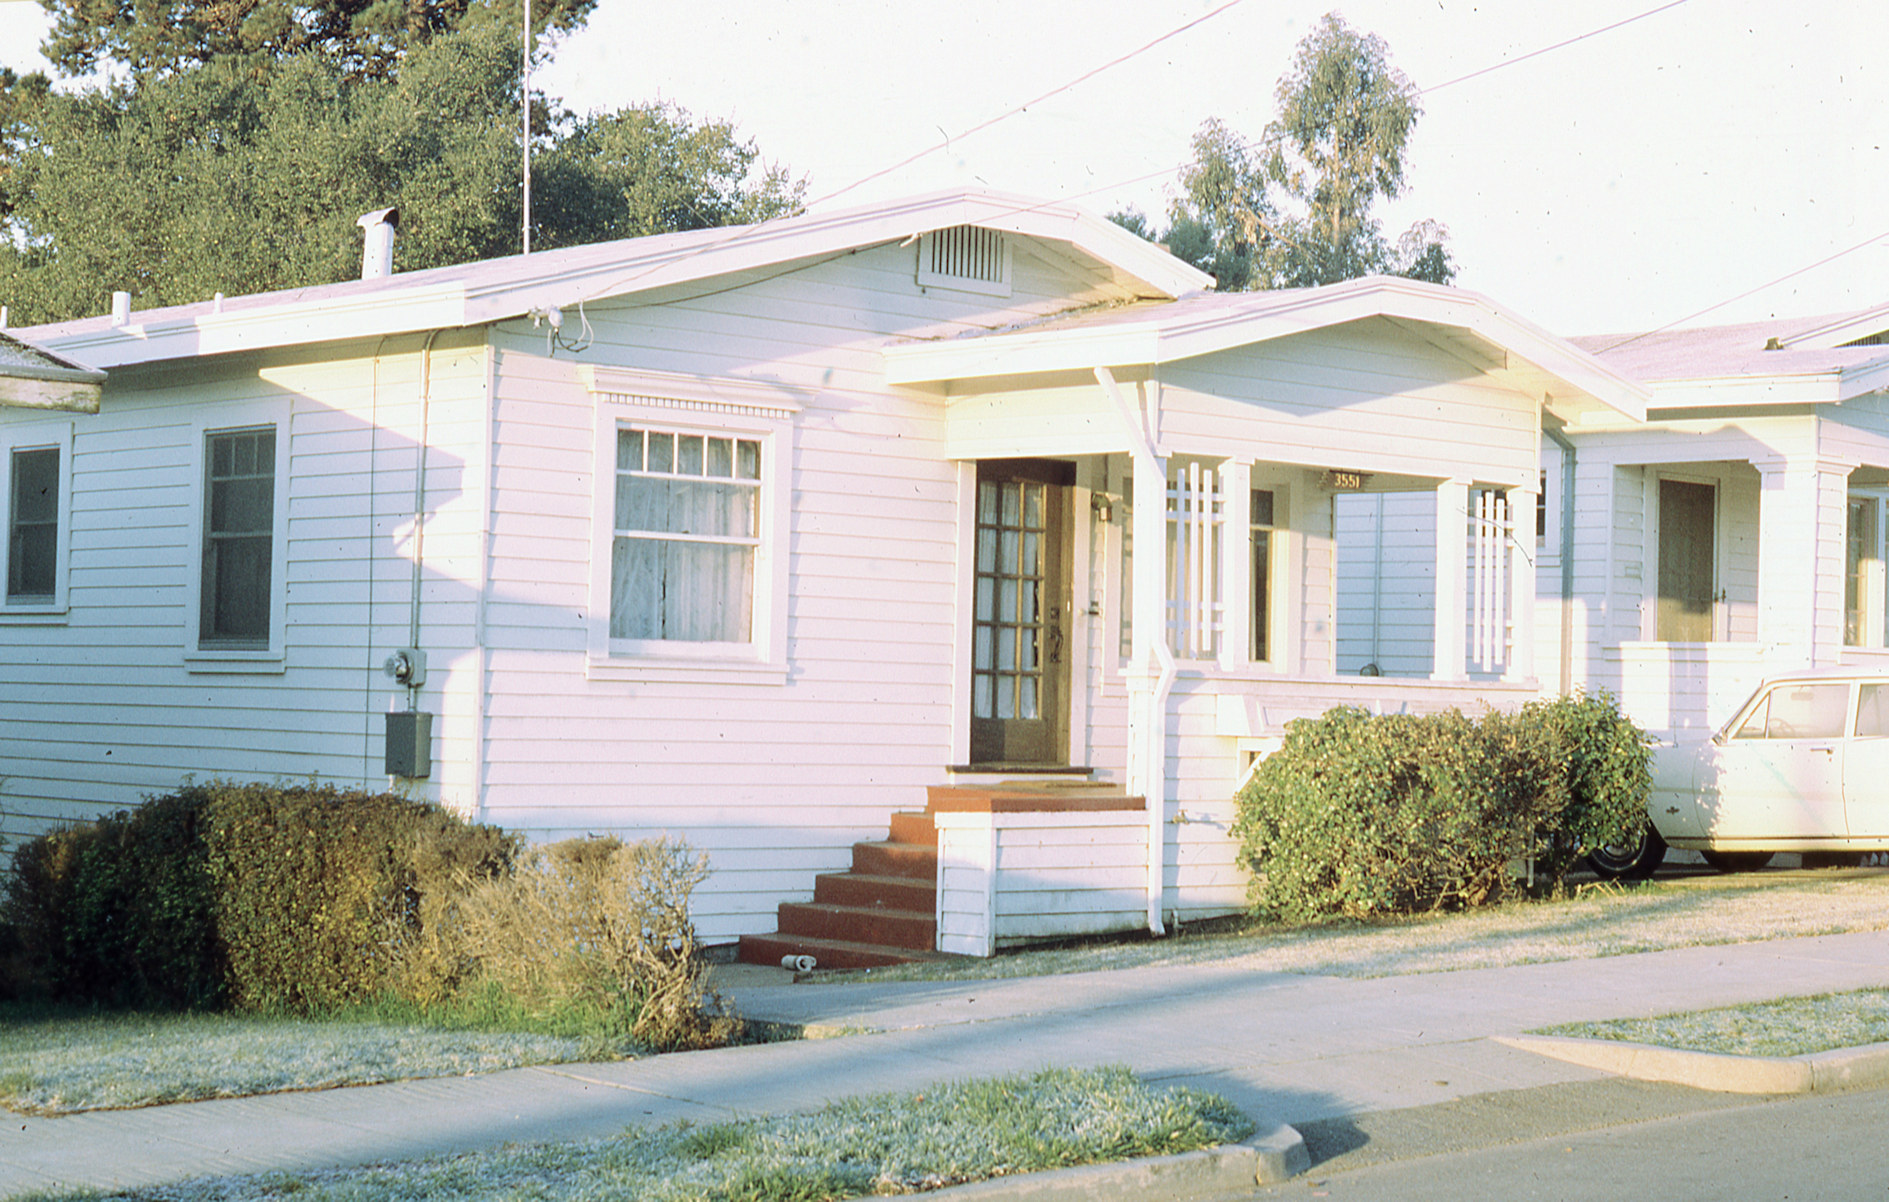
(118,912)
(309,879)
(317,900)
(255,896)
(1363,815)
(1604,761)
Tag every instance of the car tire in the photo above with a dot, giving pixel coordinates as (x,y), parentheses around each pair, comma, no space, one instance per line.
(1629,861)
(1736,861)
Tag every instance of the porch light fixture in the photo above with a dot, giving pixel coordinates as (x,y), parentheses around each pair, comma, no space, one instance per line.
(1103,508)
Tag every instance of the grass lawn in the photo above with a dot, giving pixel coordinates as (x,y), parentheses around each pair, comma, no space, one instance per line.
(889,1144)
(59,1063)
(1787,1027)
(1593,920)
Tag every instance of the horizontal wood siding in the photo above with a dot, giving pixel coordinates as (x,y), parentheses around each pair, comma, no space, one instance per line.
(1386,603)
(101,708)
(773,782)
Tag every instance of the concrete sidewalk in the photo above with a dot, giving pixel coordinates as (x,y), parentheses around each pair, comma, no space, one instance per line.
(1287,1048)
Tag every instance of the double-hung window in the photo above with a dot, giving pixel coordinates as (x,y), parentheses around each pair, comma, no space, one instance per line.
(690,575)
(687,529)
(37,463)
(238,537)
(237,611)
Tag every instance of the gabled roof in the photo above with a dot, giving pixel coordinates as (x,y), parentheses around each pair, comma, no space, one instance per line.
(1466,324)
(1809,360)
(497,289)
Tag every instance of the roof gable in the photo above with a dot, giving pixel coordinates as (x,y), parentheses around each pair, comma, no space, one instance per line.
(1462,323)
(497,289)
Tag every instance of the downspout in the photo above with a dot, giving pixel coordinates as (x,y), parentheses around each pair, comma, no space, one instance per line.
(1567,555)
(419,507)
(1154,662)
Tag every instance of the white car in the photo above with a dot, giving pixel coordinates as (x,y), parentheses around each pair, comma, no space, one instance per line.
(1802,766)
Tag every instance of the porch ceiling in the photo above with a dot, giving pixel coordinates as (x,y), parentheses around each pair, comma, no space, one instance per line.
(1570,382)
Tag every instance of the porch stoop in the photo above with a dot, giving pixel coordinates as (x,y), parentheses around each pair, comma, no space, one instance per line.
(884,911)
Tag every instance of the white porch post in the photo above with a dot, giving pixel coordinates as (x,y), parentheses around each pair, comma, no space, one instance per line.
(1150,671)
(1802,516)
(1236,565)
(1452,566)
(1522,506)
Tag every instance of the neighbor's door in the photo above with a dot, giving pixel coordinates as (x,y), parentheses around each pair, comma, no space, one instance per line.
(1019,661)
(1687,576)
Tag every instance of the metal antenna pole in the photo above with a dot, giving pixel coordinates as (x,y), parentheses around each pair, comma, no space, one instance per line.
(525,96)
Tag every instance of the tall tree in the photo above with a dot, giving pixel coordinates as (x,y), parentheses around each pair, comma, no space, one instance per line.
(228,178)
(366,38)
(1298,208)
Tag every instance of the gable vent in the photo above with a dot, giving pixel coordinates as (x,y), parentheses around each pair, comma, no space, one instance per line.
(968,258)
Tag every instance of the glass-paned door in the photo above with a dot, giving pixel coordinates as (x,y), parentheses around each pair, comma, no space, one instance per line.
(1019,669)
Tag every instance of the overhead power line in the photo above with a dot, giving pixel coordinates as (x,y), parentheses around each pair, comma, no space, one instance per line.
(1026,105)
(1522,58)
(1872,240)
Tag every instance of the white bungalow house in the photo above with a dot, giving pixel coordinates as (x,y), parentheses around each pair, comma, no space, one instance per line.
(757,536)
(1738,531)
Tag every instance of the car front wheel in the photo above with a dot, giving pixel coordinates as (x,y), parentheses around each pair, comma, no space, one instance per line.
(1736,861)
(1630,860)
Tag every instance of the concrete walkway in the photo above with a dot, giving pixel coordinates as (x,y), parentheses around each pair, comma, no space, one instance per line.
(1285,1047)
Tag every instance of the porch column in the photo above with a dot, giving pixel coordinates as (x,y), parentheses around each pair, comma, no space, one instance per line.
(1452,566)
(1802,515)
(1522,506)
(1150,672)
(1236,565)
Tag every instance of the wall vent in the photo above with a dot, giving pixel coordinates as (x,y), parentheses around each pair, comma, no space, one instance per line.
(968,258)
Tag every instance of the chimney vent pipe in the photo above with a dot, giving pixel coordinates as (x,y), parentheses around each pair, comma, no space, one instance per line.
(377,252)
(121,308)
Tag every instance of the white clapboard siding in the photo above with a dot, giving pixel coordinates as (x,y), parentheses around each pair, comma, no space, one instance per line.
(1386,548)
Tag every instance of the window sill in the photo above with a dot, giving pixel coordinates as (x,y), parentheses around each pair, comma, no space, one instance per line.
(33,615)
(685,671)
(255,663)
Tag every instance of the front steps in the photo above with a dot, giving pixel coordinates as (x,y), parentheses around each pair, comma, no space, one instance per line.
(884,911)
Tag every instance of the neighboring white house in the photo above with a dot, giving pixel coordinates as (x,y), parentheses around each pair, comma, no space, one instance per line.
(1738,531)
(750,535)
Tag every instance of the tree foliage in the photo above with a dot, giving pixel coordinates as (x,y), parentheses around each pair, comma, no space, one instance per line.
(366,38)
(229,178)
(1296,208)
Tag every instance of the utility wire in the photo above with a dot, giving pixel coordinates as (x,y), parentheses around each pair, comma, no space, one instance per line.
(1026,105)
(1510,62)
(1873,239)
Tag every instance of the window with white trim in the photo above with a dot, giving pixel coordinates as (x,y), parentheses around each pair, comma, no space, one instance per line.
(37,462)
(236,596)
(689,572)
(688,526)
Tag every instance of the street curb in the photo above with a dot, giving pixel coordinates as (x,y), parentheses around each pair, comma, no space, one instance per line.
(1865,1067)
(1230,1170)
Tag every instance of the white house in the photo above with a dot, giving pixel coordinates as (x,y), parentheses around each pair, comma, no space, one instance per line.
(756,535)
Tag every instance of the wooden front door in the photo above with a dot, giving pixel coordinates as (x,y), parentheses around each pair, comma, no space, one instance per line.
(1687,575)
(1019,628)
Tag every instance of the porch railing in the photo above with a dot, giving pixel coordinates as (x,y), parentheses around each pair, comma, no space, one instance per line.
(1196,508)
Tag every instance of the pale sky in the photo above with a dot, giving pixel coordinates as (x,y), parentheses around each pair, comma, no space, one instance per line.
(1620,183)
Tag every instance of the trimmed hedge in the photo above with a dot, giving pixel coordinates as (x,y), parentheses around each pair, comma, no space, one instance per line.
(1363,815)
(252,896)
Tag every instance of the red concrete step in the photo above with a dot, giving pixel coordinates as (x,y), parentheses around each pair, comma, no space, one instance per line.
(916,861)
(914,827)
(859,924)
(829,953)
(864,889)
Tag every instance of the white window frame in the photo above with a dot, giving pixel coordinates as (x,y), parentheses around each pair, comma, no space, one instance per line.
(721,408)
(213,657)
(38,436)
